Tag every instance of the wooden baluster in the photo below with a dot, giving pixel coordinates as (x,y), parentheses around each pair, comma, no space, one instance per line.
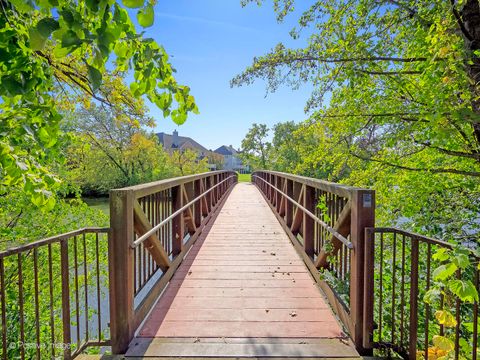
(209,196)
(121,269)
(197,207)
(309,202)
(178,222)
(277,194)
(289,205)
(362,216)
(270,178)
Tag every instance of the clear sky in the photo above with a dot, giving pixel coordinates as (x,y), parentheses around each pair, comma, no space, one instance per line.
(210,41)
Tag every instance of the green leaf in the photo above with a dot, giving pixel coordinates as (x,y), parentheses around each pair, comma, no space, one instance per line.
(441,254)
(145,16)
(70,39)
(95,77)
(178,117)
(120,49)
(22,5)
(67,16)
(92,5)
(133,3)
(37,41)
(462,261)
(465,290)
(443,272)
(46,26)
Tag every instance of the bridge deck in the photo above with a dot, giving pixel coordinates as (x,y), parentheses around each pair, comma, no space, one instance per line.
(242,291)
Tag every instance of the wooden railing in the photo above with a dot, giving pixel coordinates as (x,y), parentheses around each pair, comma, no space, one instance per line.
(54,296)
(399,270)
(152,227)
(326,222)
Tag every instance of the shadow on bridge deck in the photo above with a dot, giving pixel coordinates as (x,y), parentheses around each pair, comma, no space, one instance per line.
(242,291)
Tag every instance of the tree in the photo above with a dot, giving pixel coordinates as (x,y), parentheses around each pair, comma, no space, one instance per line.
(50,50)
(215,159)
(255,146)
(394,106)
(186,162)
(284,154)
(122,148)
(399,72)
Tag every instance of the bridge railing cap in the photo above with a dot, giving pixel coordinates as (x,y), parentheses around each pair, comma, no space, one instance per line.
(155,186)
(339,189)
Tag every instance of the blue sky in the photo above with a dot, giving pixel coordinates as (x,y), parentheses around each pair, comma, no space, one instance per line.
(210,41)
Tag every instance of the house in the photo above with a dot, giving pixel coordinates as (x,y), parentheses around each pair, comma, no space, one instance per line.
(231,158)
(175,142)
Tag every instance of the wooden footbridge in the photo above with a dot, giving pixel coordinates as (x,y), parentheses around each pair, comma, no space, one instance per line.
(203,267)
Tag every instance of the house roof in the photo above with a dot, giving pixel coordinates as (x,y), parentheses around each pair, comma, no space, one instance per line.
(226,150)
(184,142)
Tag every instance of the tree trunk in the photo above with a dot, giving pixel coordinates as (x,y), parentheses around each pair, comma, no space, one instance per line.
(470,16)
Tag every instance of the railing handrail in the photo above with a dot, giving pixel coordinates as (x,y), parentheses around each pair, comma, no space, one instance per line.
(155,186)
(339,189)
(427,239)
(52,239)
(154,229)
(322,223)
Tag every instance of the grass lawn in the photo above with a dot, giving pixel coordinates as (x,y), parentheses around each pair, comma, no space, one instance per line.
(244,177)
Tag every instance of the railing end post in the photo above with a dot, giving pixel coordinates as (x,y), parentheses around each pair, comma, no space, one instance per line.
(362,217)
(121,269)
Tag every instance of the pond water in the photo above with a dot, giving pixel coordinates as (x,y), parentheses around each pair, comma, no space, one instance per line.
(101,203)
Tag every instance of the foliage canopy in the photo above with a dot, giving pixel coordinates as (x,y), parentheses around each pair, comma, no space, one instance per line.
(53,50)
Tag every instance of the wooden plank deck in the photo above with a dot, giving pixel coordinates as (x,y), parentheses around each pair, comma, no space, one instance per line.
(242,291)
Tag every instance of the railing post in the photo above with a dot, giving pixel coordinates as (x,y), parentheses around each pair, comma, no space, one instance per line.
(362,216)
(289,205)
(121,269)
(413,330)
(197,212)
(308,222)
(276,193)
(369,292)
(209,196)
(67,339)
(178,222)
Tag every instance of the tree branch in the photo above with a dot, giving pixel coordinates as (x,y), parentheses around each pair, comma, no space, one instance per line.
(433,171)
(406,72)
(472,155)
(460,23)
(360,59)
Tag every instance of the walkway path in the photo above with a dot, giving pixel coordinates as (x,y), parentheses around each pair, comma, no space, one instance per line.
(242,291)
